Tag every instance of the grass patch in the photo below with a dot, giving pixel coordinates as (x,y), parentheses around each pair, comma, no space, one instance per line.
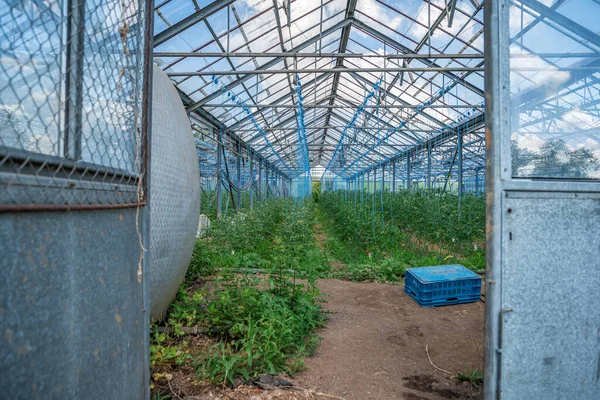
(473,377)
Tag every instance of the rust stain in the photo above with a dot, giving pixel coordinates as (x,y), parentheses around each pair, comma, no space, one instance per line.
(101,280)
(9,335)
(121,217)
(118,318)
(97,354)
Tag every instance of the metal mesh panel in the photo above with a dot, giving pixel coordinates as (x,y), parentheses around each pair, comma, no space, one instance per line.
(70,93)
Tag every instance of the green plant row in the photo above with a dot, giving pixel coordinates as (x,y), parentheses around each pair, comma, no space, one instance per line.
(260,323)
(276,232)
(405,228)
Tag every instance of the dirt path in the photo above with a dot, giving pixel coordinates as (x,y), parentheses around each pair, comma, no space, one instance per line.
(374,345)
(321,241)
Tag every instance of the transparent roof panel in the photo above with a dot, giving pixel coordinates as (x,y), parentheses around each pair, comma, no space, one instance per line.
(236,63)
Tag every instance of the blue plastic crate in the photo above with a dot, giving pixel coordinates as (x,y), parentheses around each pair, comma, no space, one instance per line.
(442,285)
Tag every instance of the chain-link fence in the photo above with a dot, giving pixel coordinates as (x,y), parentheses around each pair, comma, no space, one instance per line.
(71,95)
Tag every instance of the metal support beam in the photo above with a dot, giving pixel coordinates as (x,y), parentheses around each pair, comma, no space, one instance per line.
(399,56)
(251,180)
(394,43)
(336,70)
(563,21)
(402,102)
(260,181)
(394,176)
(274,104)
(207,119)
(238,167)
(429,167)
(382,179)
(382,106)
(345,36)
(374,181)
(74,86)
(407,170)
(270,64)
(268,183)
(451,9)
(459,145)
(191,20)
(219,175)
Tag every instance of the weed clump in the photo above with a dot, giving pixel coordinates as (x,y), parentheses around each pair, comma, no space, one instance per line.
(260,329)
(258,315)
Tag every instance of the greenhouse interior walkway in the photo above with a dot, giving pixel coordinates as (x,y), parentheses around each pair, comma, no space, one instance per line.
(299,199)
(376,342)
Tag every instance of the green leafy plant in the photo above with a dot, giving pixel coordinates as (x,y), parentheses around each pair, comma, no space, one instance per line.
(160,396)
(473,377)
(380,234)
(265,325)
(163,351)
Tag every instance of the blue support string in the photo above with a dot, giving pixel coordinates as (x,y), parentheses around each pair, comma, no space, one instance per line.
(254,122)
(420,108)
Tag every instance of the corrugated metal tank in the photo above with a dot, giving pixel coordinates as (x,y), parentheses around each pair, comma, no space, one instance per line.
(175,194)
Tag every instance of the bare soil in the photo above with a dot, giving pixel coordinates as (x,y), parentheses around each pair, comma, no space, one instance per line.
(374,345)
(320,236)
(321,240)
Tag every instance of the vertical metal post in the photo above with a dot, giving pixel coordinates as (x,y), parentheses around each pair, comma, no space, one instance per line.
(355,182)
(407,170)
(219,185)
(429,167)
(268,183)
(362,187)
(238,166)
(394,177)
(251,180)
(146,137)
(382,179)
(374,181)
(459,138)
(74,81)
(496,24)
(260,180)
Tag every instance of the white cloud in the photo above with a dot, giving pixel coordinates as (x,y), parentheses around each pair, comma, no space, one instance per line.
(547,74)
(381,13)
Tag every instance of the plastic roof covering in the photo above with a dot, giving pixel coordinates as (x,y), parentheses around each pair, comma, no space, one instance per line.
(367,27)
